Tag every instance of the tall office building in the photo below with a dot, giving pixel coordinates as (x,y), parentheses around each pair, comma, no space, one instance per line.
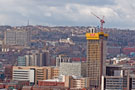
(44,59)
(17,37)
(21,61)
(96,54)
(34,58)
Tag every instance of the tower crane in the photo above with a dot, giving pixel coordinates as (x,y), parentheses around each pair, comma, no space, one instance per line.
(101,21)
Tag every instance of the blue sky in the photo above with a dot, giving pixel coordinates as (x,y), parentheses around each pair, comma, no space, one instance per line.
(118,13)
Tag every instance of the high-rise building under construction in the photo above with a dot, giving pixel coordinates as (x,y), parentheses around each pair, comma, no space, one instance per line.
(96,54)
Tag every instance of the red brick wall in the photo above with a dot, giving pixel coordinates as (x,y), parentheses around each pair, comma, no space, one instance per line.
(47,83)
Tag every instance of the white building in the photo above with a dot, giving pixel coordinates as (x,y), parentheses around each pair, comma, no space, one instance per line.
(68,40)
(23,75)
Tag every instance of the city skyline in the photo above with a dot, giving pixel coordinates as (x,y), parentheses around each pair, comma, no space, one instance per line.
(67,45)
(118,14)
(60,58)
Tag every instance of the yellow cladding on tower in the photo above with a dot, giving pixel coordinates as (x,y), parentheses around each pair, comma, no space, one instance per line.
(92,36)
(95,36)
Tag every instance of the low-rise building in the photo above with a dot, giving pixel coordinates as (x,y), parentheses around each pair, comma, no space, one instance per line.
(115,83)
(53,82)
(24,75)
(72,82)
(34,73)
